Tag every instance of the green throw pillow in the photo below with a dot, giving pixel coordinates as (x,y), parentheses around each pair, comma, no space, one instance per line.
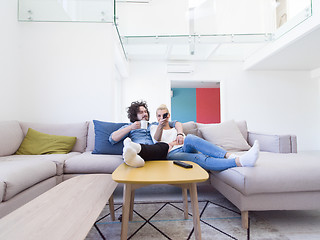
(37,143)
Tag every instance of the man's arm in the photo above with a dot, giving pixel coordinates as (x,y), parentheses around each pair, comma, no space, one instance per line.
(118,135)
(179,127)
(180,134)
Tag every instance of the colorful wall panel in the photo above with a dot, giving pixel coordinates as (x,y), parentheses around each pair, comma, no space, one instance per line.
(208,105)
(196,104)
(183,104)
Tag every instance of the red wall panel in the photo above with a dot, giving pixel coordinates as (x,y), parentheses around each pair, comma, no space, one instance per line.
(208,105)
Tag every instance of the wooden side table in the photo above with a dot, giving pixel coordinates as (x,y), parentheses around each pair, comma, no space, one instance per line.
(159,172)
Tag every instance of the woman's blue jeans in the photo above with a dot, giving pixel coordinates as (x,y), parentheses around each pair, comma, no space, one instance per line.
(202,152)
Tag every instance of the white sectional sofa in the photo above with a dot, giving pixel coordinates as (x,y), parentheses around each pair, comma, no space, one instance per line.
(24,177)
(281,179)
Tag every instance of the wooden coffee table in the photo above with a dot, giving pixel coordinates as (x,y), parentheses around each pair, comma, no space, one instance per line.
(66,211)
(159,172)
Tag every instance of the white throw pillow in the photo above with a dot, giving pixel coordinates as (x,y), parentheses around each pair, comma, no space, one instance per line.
(242,125)
(226,135)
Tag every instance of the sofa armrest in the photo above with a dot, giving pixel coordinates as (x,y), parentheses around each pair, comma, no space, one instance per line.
(274,143)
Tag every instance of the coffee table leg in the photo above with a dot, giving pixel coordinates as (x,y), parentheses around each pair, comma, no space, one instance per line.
(195,210)
(131,205)
(125,210)
(185,201)
(111,208)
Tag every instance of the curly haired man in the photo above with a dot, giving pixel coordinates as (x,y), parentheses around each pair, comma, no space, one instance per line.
(138,143)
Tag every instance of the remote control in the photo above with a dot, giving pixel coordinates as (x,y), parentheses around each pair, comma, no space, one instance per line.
(165,115)
(182,164)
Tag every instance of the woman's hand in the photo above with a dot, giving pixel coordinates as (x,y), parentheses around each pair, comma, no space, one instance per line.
(171,145)
(163,123)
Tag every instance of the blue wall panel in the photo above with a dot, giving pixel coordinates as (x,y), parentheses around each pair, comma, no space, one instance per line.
(184,105)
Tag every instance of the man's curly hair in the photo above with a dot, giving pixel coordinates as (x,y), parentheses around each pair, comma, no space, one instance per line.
(134,109)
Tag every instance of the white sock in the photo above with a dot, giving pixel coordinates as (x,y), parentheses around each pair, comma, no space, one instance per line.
(128,143)
(131,158)
(232,156)
(249,158)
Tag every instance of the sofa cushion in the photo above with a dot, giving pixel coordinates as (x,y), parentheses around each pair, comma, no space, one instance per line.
(92,163)
(275,173)
(242,125)
(78,130)
(226,135)
(191,128)
(11,137)
(273,143)
(37,143)
(102,131)
(19,175)
(58,159)
(90,137)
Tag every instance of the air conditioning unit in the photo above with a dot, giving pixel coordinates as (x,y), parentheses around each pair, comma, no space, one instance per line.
(180,68)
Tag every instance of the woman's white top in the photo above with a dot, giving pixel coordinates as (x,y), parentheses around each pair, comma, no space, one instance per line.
(168,135)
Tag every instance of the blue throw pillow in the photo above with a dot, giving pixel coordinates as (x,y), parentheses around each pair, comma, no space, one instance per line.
(103,131)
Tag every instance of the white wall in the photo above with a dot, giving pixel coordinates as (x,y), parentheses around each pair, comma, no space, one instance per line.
(315,76)
(141,19)
(67,71)
(9,60)
(147,81)
(234,16)
(56,72)
(280,102)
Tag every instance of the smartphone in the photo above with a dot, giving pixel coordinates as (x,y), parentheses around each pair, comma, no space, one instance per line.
(165,116)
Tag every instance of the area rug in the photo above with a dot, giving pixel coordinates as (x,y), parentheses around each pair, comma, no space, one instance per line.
(165,220)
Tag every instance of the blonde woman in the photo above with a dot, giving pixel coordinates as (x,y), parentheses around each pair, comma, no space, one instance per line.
(196,149)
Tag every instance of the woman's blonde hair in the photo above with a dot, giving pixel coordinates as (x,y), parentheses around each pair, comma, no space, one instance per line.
(162,107)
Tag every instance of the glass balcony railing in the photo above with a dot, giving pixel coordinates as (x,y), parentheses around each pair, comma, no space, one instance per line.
(194,47)
(66,10)
(180,29)
(205,29)
(289,14)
